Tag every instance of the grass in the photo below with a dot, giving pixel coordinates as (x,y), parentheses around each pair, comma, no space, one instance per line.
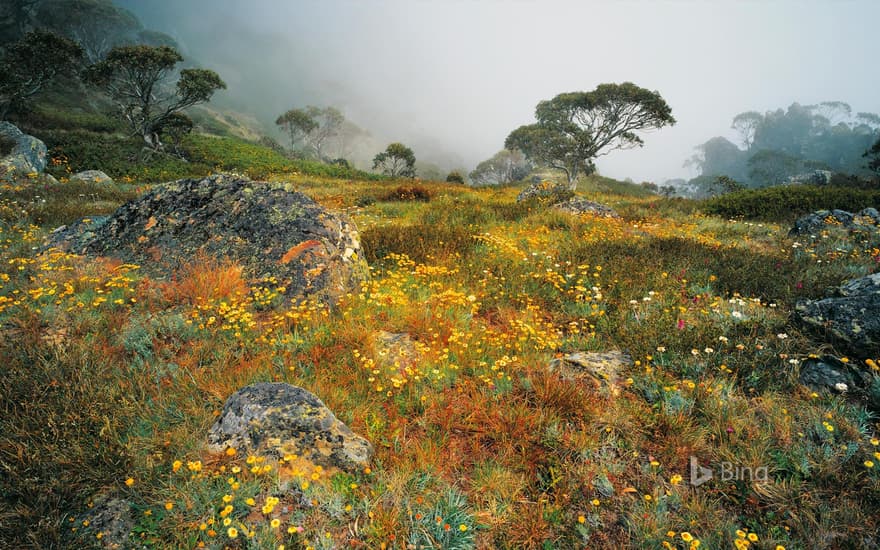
(790,201)
(111,381)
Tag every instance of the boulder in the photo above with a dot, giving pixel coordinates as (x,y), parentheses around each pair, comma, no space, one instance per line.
(267,229)
(580,205)
(820,220)
(828,373)
(850,318)
(112,518)
(276,419)
(92,176)
(598,367)
(544,190)
(27,155)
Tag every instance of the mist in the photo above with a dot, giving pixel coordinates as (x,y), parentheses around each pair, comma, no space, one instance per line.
(451,79)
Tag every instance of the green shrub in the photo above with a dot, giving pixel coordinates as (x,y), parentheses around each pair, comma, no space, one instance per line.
(786,203)
(455,177)
(407,193)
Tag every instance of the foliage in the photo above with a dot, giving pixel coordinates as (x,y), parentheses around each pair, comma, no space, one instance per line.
(407,193)
(134,77)
(396,161)
(504,167)
(311,129)
(27,67)
(786,203)
(454,177)
(96,25)
(786,143)
(575,128)
(873,156)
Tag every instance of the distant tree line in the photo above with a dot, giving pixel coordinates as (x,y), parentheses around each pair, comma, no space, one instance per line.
(785,145)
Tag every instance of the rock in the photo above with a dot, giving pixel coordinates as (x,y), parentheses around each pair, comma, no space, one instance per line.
(851,318)
(544,190)
(92,176)
(816,177)
(820,220)
(113,519)
(828,373)
(579,205)
(28,154)
(275,419)
(396,349)
(598,367)
(268,230)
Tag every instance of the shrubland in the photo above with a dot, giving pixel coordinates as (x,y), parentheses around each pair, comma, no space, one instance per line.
(111,379)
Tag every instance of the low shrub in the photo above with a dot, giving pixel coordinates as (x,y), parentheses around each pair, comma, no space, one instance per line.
(788,202)
(407,193)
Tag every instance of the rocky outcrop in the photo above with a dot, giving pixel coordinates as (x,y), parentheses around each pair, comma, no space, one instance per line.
(92,176)
(850,318)
(600,368)
(27,154)
(275,419)
(828,373)
(812,224)
(267,229)
(579,205)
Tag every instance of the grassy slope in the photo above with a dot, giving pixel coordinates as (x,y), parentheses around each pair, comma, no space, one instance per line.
(109,376)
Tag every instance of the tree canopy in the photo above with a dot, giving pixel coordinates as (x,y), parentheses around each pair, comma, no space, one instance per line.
(505,166)
(26,69)
(96,25)
(311,129)
(572,129)
(396,161)
(135,78)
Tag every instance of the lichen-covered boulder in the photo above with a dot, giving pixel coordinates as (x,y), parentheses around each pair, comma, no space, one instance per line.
(580,205)
(271,231)
(850,318)
(113,519)
(600,368)
(92,176)
(27,155)
(276,419)
(544,190)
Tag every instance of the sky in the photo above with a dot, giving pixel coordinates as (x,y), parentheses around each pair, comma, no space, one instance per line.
(452,78)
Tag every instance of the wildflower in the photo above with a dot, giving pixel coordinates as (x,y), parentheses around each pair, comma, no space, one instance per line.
(129,481)
(230,451)
(869,464)
(462,527)
(687,537)
(275,523)
(753,537)
(595,502)
(875,441)
(780,547)
(232,532)
(581,519)
(675,479)
(176,465)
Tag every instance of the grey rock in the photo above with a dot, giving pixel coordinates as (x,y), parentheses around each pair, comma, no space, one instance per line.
(602,368)
(92,176)
(579,205)
(830,374)
(821,220)
(544,190)
(113,519)
(28,155)
(850,318)
(267,229)
(276,419)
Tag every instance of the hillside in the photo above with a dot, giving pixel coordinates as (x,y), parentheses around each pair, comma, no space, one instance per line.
(112,379)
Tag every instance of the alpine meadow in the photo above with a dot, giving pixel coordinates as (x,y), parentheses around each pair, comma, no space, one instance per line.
(439,275)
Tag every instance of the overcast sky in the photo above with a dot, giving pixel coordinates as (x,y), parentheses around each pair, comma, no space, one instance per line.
(452,78)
